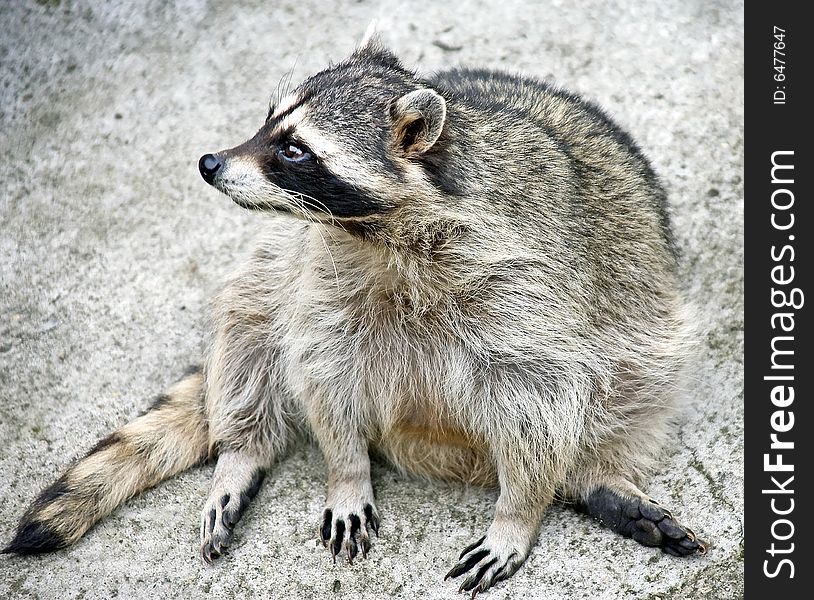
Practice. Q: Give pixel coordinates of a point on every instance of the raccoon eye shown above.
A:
(293, 153)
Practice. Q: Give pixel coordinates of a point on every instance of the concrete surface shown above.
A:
(110, 244)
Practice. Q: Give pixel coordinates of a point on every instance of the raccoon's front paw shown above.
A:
(347, 528)
(494, 557)
(221, 513)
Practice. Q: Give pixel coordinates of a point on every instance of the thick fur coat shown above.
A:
(481, 286)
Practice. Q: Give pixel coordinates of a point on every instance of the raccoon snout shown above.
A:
(209, 165)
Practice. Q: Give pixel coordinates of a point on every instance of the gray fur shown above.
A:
(492, 300)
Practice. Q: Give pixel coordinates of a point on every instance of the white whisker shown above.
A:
(298, 203)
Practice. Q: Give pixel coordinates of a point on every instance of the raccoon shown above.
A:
(472, 276)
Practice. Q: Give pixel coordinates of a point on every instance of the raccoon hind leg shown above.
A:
(632, 421)
(619, 505)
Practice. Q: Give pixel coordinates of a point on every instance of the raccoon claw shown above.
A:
(489, 561)
(209, 552)
(217, 531)
(350, 534)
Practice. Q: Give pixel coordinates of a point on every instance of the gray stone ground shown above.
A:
(110, 244)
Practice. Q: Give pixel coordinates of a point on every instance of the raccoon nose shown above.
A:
(209, 165)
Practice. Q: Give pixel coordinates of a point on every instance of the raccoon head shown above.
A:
(347, 144)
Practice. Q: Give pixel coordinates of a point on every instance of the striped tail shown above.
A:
(169, 438)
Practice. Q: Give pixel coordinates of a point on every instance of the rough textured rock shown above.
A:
(110, 244)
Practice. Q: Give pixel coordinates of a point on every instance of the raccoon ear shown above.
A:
(372, 50)
(371, 36)
(418, 120)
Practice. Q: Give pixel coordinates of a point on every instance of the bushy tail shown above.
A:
(169, 438)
